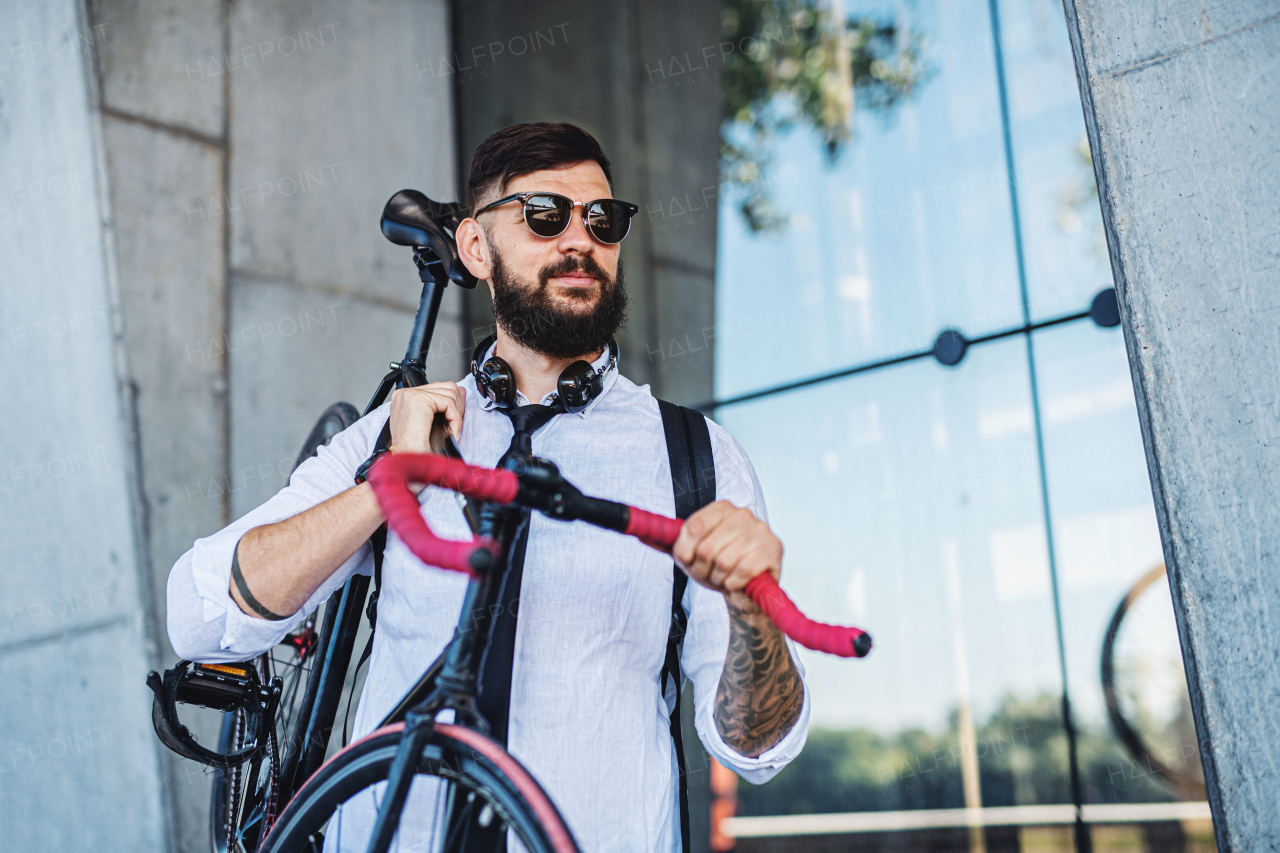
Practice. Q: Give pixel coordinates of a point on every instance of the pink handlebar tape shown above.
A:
(847, 642)
(390, 478)
(660, 532)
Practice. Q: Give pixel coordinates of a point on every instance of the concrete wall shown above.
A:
(622, 71)
(76, 748)
(233, 173)
(1182, 104)
(352, 113)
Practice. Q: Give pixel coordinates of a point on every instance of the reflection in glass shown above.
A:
(910, 497)
(1108, 543)
(1062, 238)
(908, 232)
(1146, 688)
(908, 503)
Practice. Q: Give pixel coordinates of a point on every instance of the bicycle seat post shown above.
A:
(434, 281)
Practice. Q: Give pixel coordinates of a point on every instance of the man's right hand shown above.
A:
(284, 563)
(414, 410)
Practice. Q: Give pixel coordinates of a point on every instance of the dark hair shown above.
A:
(524, 148)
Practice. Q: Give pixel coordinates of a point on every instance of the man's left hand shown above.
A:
(760, 695)
(724, 547)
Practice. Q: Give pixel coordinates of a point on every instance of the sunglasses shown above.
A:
(548, 214)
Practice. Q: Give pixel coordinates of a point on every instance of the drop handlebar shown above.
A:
(538, 485)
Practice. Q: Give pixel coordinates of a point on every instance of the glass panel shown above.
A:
(908, 501)
(907, 233)
(1062, 238)
(1108, 547)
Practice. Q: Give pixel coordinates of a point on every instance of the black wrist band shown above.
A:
(362, 473)
(243, 588)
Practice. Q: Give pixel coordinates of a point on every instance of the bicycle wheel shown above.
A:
(1145, 688)
(335, 419)
(467, 794)
(291, 659)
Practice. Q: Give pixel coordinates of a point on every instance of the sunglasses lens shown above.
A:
(608, 220)
(547, 215)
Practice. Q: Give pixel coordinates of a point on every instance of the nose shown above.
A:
(576, 238)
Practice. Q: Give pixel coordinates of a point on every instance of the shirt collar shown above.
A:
(610, 379)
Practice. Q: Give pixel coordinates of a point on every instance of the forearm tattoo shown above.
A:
(243, 588)
(760, 694)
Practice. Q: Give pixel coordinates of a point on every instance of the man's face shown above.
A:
(561, 296)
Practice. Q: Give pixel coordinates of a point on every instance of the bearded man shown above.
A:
(586, 711)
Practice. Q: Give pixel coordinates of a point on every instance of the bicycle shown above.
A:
(478, 791)
(311, 662)
(500, 794)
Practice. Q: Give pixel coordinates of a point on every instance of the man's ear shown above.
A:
(473, 248)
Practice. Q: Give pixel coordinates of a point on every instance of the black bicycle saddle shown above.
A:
(412, 219)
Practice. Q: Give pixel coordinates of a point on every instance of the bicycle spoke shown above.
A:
(456, 822)
(435, 814)
(445, 794)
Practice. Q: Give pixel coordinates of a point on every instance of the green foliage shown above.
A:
(1022, 759)
(795, 64)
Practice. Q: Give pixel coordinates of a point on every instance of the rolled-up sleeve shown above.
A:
(706, 641)
(204, 623)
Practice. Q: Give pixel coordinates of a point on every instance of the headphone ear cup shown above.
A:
(497, 382)
(578, 385)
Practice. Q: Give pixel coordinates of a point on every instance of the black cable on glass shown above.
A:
(944, 350)
(1084, 842)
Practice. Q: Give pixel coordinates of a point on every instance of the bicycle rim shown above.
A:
(467, 790)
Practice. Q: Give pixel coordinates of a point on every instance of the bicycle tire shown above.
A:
(293, 710)
(334, 420)
(467, 760)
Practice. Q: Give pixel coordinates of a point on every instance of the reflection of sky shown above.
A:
(1103, 518)
(909, 498)
(910, 231)
(907, 501)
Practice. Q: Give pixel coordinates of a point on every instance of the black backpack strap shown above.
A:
(379, 538)
(378, 541)
(693, 480)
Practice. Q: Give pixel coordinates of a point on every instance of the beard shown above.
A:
(581, 323)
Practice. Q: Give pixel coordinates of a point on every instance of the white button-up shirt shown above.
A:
(588, 717)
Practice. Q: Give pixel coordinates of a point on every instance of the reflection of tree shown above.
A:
(1022, 758)
(1078, 200)
(803, 62)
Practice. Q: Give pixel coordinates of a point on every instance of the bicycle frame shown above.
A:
(412, 220)
(451, 681)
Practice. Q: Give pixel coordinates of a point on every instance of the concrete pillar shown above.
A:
(644, 79)
(1182, 103)
(79, 766)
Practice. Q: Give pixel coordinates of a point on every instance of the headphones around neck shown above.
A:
(578, 385)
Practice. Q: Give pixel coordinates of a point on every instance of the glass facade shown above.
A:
(987, 521)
